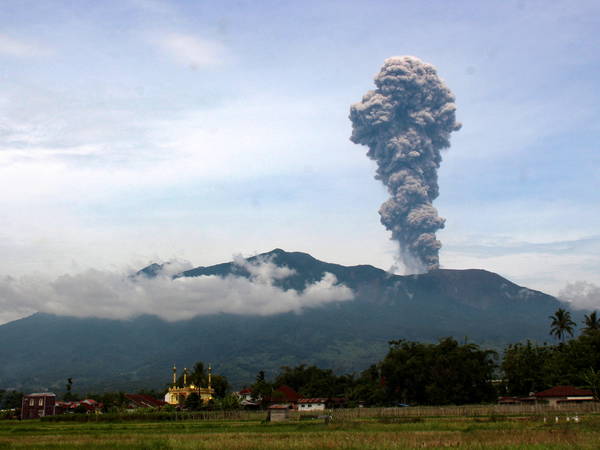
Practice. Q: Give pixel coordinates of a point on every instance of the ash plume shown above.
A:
(406, 122)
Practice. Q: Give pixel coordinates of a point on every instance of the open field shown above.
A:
(375, 432)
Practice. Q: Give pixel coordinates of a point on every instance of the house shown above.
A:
(312, 404)
(246, 400)
(34, 406)
(320, 403)
(82, 406)
(564, 394)
(135, 401)
(284, 395)
(245, 395)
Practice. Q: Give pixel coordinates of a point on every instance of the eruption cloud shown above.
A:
(406, 122)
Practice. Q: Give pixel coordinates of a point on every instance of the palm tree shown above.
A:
(561, 324)
(591, 322)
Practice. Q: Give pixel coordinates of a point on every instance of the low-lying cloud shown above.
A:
(581, 295)
(124, 295)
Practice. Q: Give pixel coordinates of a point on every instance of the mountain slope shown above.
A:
(42, 350)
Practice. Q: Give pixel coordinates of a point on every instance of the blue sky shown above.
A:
(142, 130)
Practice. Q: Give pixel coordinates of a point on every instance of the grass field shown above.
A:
(365, 433)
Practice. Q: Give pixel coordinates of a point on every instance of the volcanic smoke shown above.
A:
(406, 122)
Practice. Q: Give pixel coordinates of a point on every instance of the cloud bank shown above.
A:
(581, 295)
(124, 295)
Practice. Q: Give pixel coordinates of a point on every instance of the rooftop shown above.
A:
(564, 391)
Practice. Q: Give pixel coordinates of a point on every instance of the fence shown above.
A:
(343, 414)
(159, 416)
(464, 411)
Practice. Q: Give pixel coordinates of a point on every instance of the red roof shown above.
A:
(145, 401)
(312, 400)
(565, 391)
(245, 391)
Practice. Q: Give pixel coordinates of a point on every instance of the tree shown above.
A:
(592, 378)
(311, 381)
(199, 377)
(523, 367)
(561, 324)
(192, 402)
(220, 385)
(591, 322)
(262, 390)
(11, 399)
(69, 396)
(229, 402)
(437, 374)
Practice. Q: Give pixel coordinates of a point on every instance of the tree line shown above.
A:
(446, 372)
(449, 372)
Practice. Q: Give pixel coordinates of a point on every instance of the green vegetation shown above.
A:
(561, 324)
(530, 367)
(371, 432)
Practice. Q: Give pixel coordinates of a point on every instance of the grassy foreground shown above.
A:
(372, 433)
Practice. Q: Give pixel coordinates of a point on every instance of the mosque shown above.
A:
(176, 395)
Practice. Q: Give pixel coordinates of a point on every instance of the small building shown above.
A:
(278, 413)
(564, 394)
(34, 406)
(312, 404)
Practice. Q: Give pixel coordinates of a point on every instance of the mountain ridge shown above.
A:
(42, 350)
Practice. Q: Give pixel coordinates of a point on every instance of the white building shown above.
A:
(312, 404)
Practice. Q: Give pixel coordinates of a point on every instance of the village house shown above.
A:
(285, 395)
(34, 406)
(136, 401)
(564, 394)
(246, 400)
(320, 404)
(87, 406)
(312, 404)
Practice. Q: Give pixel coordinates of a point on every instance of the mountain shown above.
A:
(42, 351)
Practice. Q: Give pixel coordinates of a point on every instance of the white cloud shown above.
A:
(122, 295)
(191, 50)
(21, 49)
(581, 295)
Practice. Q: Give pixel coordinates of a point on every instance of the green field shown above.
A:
(370, 433)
